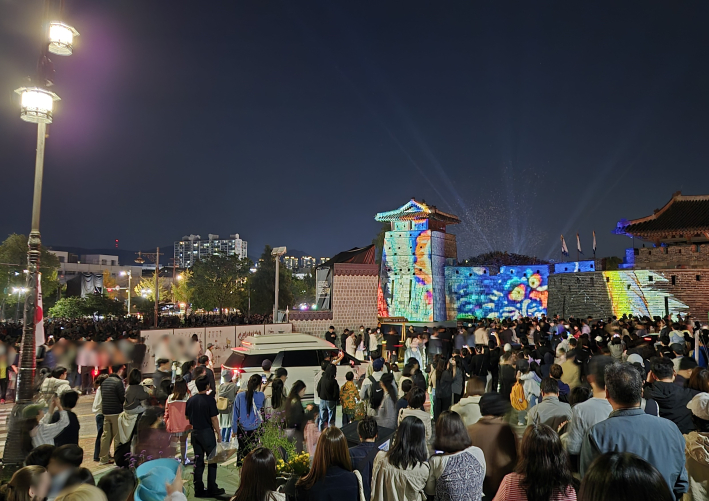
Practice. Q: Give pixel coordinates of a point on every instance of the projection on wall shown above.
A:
(641, 292)
(516, 291)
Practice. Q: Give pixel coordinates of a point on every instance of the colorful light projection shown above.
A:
(406, 281)
(641, 292)
(516, 291)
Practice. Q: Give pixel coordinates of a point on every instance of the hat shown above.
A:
(266, 365)
(148, 381)
(634, 358)
(209, 345)
(599, 339)
(152, 477)
(494, 404)
(378, 364)
(32, 411)
(507, 347)
(677, 348)
(699, 405)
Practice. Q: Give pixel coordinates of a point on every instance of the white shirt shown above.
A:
(45, 432)
(96, 406)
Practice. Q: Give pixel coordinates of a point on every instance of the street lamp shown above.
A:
(129, 273)
(36, 106)
(61, 38)
(277, 252)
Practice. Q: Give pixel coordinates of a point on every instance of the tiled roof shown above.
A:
(682, 215)
(414, 209)
(356, 255)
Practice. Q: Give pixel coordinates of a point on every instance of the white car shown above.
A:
(301, 354)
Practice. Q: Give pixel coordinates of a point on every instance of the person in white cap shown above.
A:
(697, 448)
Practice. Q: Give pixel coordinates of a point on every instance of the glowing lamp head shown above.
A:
(36, 104)
(61, 38)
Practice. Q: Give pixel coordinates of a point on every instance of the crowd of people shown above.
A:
(529, 409)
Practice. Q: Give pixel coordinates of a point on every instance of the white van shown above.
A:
(301, 354)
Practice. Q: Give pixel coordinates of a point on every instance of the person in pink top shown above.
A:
(175, 420)
(543, 471)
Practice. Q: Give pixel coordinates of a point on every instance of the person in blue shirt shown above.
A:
(247, 414)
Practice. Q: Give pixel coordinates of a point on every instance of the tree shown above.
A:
(219, 282)
(13, 253)
(182, 288)
(303, 289)
(146, 287)
(68, 307)
(378, 241)
(79, 307)
(263, 287)
(109, 283)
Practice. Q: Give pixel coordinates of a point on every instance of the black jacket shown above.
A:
(113, 394)
(672, 402)
(419, 380)
(328, 389)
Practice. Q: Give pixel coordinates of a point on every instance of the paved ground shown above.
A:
(227, 475)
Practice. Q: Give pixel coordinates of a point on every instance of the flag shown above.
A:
(39, 316)
(594, 241)
(564, 249)
(578, 244)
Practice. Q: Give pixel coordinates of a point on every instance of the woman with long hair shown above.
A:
(176, 422)
(295, 415)
(457, 468)
(543, 471)
(330, 474)
(247, 413)
(617, 476)
(401, 473)
(278, 400)
(258, 478)
(386, 413)
(27, 484)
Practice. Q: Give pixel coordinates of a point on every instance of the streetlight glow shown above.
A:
(61, 38)
(36, 104)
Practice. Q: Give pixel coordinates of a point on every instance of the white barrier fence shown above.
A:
(223, 339)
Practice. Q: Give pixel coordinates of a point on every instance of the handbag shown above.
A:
(222, 403)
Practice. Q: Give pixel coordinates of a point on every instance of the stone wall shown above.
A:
(640, 292)
(693, 256)
(354, 302)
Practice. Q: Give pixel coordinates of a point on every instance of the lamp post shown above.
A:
(277, 252)
(130, 276)
(36, 106)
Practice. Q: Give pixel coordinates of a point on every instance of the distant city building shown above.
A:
(70, 265)
(192, 248)
(323, 260)
(307, 262)
(291, 262)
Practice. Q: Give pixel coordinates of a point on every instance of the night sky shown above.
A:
(294, 122)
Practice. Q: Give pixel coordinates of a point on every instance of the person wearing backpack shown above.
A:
(370, 385)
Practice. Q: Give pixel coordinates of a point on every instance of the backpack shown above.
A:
(517, 399)
(376, 393)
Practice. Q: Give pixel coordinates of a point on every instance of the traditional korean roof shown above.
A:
(356, 255)
(413, 210)
(683, 219)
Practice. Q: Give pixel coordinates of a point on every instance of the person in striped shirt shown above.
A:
(41, 429)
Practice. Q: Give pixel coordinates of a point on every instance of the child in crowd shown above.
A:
(311, 432)
(70, 434)
(176, 422)
(349, 395)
